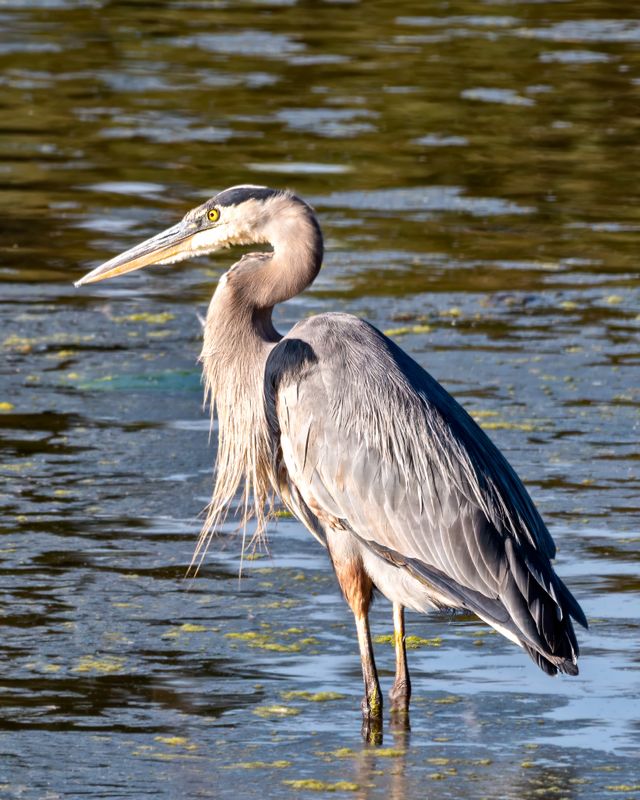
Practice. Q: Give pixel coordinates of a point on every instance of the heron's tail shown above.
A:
(535, 610)
(553, 667)
(540, 609)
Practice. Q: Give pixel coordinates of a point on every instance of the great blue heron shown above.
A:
(372, 455)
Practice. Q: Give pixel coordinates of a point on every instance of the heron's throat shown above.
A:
(233, 362)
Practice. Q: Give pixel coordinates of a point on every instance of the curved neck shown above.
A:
(244, 299)
(297, 255)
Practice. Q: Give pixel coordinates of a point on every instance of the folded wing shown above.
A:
(373, 444)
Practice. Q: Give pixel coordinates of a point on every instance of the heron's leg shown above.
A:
(372, 702)
(357, 588)
(401, 690)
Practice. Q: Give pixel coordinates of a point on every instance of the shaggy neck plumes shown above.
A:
(238, 337)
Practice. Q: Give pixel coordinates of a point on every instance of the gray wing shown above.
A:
(373, 441)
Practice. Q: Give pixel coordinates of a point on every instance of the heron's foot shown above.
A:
(400, 695)
(372, 716)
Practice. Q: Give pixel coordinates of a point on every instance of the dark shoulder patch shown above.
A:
(288, 359)
(240, 194)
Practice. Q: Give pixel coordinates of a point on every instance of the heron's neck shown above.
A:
(296, 259)
(238, 337)
(239, 319)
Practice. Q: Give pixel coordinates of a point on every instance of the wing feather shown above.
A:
(372, 440)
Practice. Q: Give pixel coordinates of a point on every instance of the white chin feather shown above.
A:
(199, 244)
(207, 241)
(178, 257)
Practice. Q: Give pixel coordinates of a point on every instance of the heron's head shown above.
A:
(239, 215)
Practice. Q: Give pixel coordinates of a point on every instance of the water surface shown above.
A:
(475, 170)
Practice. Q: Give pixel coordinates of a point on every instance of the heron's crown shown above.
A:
(236, 195)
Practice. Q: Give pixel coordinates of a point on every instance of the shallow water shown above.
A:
(475, 170)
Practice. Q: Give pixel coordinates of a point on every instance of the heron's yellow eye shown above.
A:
(213, 214)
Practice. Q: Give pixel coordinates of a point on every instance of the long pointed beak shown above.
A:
(173, 244)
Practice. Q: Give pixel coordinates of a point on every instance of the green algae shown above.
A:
(25, 344)
(341, 752)
(389, 752)
(314, 785)
(503, 425)
(449, 699)
(288, 603)
(265, 641)
(103, 666)
(312, 697)
(152, 319)
(176, 741)
(415, 642)
(483, 414)
(411, 642)
(276, 711)
(174, 756)
(406, 329)
(187, 627)
(282, 764)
